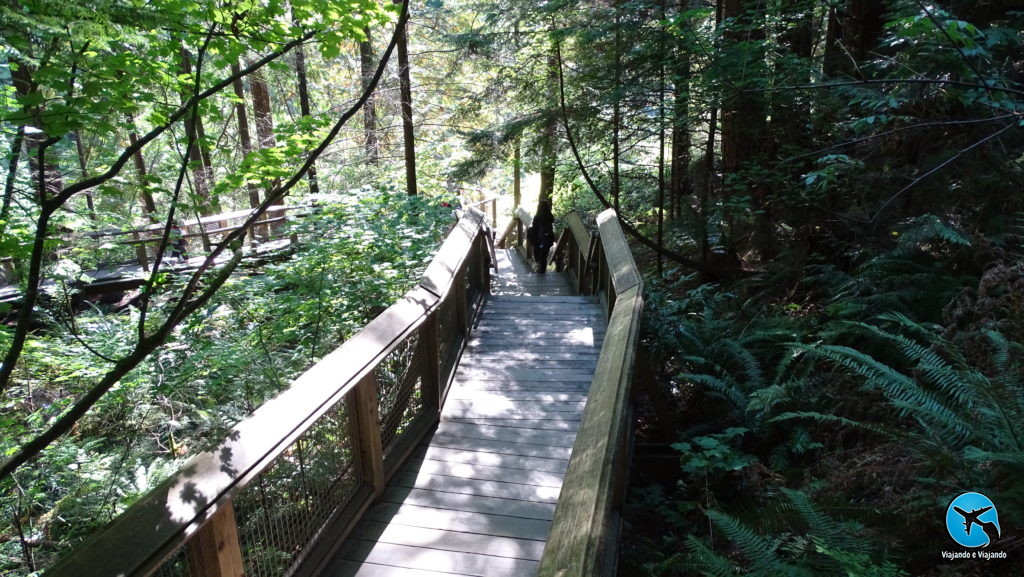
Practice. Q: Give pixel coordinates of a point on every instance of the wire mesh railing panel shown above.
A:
(331, 477)
(470, 278)
(449, 335)
(281, 511)
(181, 564)
(400, 390)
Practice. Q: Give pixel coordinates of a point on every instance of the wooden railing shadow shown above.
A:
(290, 481)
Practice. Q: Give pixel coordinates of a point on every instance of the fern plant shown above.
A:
(918, 254)
(812, 543)
(727, 355)
(959, 415)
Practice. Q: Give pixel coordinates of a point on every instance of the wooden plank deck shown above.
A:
(477, 498)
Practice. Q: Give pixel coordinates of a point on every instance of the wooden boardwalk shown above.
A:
(477, 498)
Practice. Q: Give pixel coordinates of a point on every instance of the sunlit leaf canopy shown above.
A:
(104, 66)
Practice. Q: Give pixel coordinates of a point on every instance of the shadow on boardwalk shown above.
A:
(477, 498)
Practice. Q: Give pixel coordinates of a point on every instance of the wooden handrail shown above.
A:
(192, 518)
(489, 206)
(141, 242)
(522, 219)
(185, 224)
(585, 529)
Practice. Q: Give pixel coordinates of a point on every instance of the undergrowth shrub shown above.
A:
(796, 410)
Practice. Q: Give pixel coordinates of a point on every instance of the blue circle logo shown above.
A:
(972, 520)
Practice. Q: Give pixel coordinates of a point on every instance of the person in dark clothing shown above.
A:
(544, 234)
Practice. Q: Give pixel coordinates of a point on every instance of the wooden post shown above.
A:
(140, 251)
(519, 231)
(480, 256)
(215, 551)
(461, 319)
(576, 262)
(203, 237)
(367, 432)
(494, 212)
(433, 381)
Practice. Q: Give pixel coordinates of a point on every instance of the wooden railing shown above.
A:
(208, 230)
(289, 482)
(488, 206)
(574, 252)
(198, 236)
(585, 530)
(514, 234)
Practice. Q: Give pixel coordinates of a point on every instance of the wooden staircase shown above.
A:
(478, 497)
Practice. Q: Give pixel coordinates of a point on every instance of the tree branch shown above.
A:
(960, 83)
(875, 220)
(898, 130)
(49, 207)
(185, 306)
(190, 141)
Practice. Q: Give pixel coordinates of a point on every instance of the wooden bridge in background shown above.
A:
(272, 233)
(478, 426)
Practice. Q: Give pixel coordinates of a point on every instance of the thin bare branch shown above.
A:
(875, 220)
(626, 225)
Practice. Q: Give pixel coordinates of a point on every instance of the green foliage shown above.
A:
(252, 339)
(801, 384)
(714, 452)
(728, 357)
(956, 411)
(923, 250)
(815, 544)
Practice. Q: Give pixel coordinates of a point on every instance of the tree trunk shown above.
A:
(745, 131)
(198, 154)
(617, 108)
(148, 204)
(300, 69)
(371, 143)
(854, 29)
(661, 158)
(709, 182)
(679, 178)
(548, 154)
(517, 166)
(83, 167)
(264, 116)
(244, 134)
(405, 88)
(262, 111)
(791, 111)
(704, 202)
(304, 108)
(46, 177)
(12, 170)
